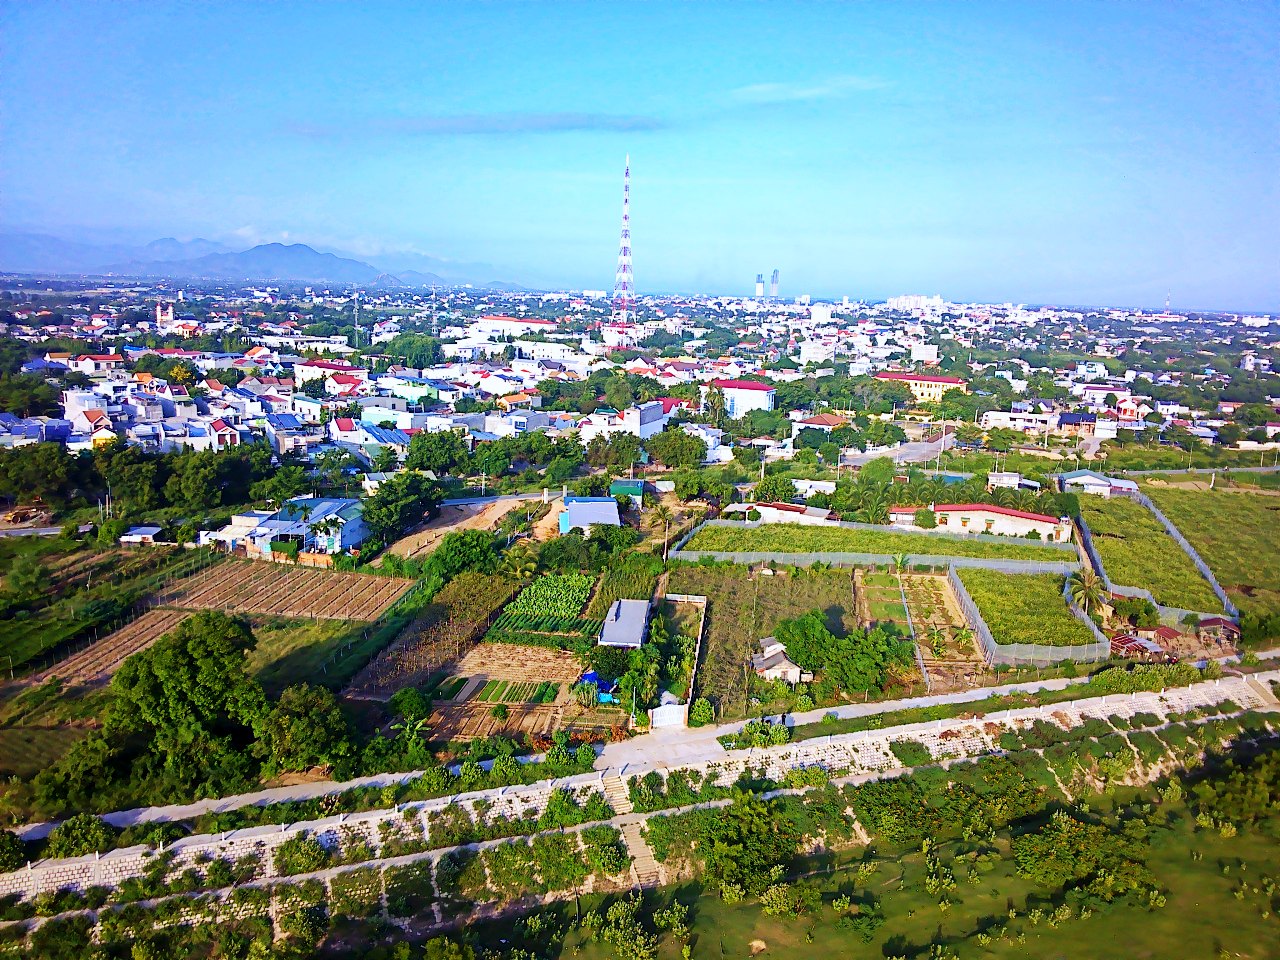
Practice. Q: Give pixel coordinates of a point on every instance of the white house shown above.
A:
(1086, 481)
(742, 396)
(793, 513)
(772, 663)
(987, 518)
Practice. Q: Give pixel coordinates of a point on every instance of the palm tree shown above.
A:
(520, 562)
(662, 514)
(1085, 590)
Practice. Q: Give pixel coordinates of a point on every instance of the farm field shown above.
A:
(452, 519)
(534, 683)
(797, 538)
(448, 626)
(946, 644)
(82, 594)
(1235, 534)
(743, 607)
(1024, 608)
(560, 595)
(1137, 552)
(98, 661)
(286, 590)
(290, 651)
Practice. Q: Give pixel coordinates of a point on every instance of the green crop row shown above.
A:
(560, 596)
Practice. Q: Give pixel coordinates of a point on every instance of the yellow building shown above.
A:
(925, 388)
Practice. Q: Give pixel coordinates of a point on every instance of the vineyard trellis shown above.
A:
(455, 619)
(288, 591)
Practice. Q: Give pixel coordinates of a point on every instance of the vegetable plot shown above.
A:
(1024, 608)
(561, 596)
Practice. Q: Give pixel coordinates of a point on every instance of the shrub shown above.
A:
(300, 854)
(84, 833)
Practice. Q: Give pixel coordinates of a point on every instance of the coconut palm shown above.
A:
(662, 514)
(1085, 589)
(519, 562)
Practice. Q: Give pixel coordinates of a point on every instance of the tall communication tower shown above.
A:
(773, 284)
(624, 295)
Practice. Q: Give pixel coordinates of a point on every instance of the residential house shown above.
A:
(772, 663)
(742, 396)
(581, 513)
(925, 388)
(625, 624)
(987, 518)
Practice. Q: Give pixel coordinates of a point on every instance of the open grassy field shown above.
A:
(796, 538)
(1236, 535)
(25, 751)
(1026, 608)
(741, 609)
(292, 651)
(1198, 870)
(1137, 552)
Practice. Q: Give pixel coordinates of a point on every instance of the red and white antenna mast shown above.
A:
(624, 295)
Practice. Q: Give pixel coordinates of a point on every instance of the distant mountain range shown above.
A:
(207, 259)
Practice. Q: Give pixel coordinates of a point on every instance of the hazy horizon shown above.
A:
(1072, 154)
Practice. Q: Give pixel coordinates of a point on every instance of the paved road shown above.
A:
(40, 531)
(469, 501)
(915, 452)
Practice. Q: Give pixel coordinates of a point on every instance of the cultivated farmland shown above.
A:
(797, 538)
(1137, 552)
(100, 660)
(457, 616)
(1025, 608)
(1236, 535)
(558, 596)
(743, 607)
(287, 591)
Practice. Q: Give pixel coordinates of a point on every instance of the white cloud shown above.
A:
(792, 91)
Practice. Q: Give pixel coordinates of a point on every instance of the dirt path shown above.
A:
(549, 526)
(472, 516)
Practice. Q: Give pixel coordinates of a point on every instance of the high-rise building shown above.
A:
(623, 285)
(773, 284)
(759, 284)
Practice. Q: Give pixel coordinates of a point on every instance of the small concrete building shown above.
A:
(626, 624)
(772, 663)
(580, 513)
(987, 518)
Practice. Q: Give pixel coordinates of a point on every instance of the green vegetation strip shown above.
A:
(795, 538)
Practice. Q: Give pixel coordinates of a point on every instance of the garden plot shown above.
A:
(1235, 534)
(744, 606)
(533, 683)
(100, 660)
(882, 601)
(946, 643)
(287, 591)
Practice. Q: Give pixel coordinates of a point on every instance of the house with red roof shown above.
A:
(986, 518)
(742, 396)
(925, 388)
(826, 422)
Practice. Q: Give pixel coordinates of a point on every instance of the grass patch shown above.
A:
(25, 751)
(1235, 534)
(292, 651)
(1138, 552)
(796, 538)
(1024, 608)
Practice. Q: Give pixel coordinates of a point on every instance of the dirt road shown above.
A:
(471, 516)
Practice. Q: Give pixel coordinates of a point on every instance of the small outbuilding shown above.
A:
(626, 624)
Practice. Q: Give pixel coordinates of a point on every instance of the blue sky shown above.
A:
(1062, 153)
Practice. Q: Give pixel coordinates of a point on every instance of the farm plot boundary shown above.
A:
(287, 591)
